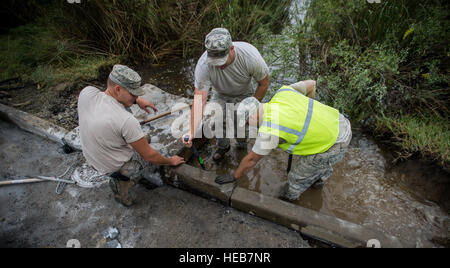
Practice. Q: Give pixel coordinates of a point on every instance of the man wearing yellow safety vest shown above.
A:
(318, 134)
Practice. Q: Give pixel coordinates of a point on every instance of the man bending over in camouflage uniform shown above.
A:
(112, 140)
(318, 134)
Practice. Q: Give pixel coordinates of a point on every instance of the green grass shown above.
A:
(82, 69)
(428, 135)
(10, 58)
(154, 30)
(38, 56)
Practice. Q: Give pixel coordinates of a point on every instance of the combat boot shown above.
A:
(121, 190)
(285, 194)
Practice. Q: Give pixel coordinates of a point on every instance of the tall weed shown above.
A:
(157, 29)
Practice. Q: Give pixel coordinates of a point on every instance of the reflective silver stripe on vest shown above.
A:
(288, 89)
(281, 128)
(305, 126)
(301, 135)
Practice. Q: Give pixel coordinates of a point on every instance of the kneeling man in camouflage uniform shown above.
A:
(112, 140)
(316, 133)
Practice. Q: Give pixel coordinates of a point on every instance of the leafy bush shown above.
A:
(387, 60)
(358, 80)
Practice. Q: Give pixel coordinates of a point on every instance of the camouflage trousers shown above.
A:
(313, 170)
(222, 100)
(135, 169)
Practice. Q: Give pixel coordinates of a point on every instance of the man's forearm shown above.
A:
(261, 90)
(148, 153)
(137, 101)
(247, 164)
(157, 158)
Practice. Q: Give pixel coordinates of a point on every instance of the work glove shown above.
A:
(227, 178)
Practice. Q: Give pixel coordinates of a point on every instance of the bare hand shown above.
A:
(176, 160)
(143, 104)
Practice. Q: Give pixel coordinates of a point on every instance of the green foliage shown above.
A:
(86, 69)
(427, 134)
(398, 45)
(158, 29)
(358, 82)
(18, 12)
(387, 59)
(35, 53)
(281, 54)
(69, 36)
(245, 18)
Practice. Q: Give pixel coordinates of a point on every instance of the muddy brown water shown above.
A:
(410, 200)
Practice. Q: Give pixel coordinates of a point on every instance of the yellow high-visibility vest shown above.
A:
(308, 126)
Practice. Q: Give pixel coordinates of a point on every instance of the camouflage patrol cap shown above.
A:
(127, 78)
(218, 43)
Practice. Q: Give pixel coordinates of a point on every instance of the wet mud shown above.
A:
(410, 200)
(33, 215)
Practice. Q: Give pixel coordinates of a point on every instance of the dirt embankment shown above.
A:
(57, 104)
